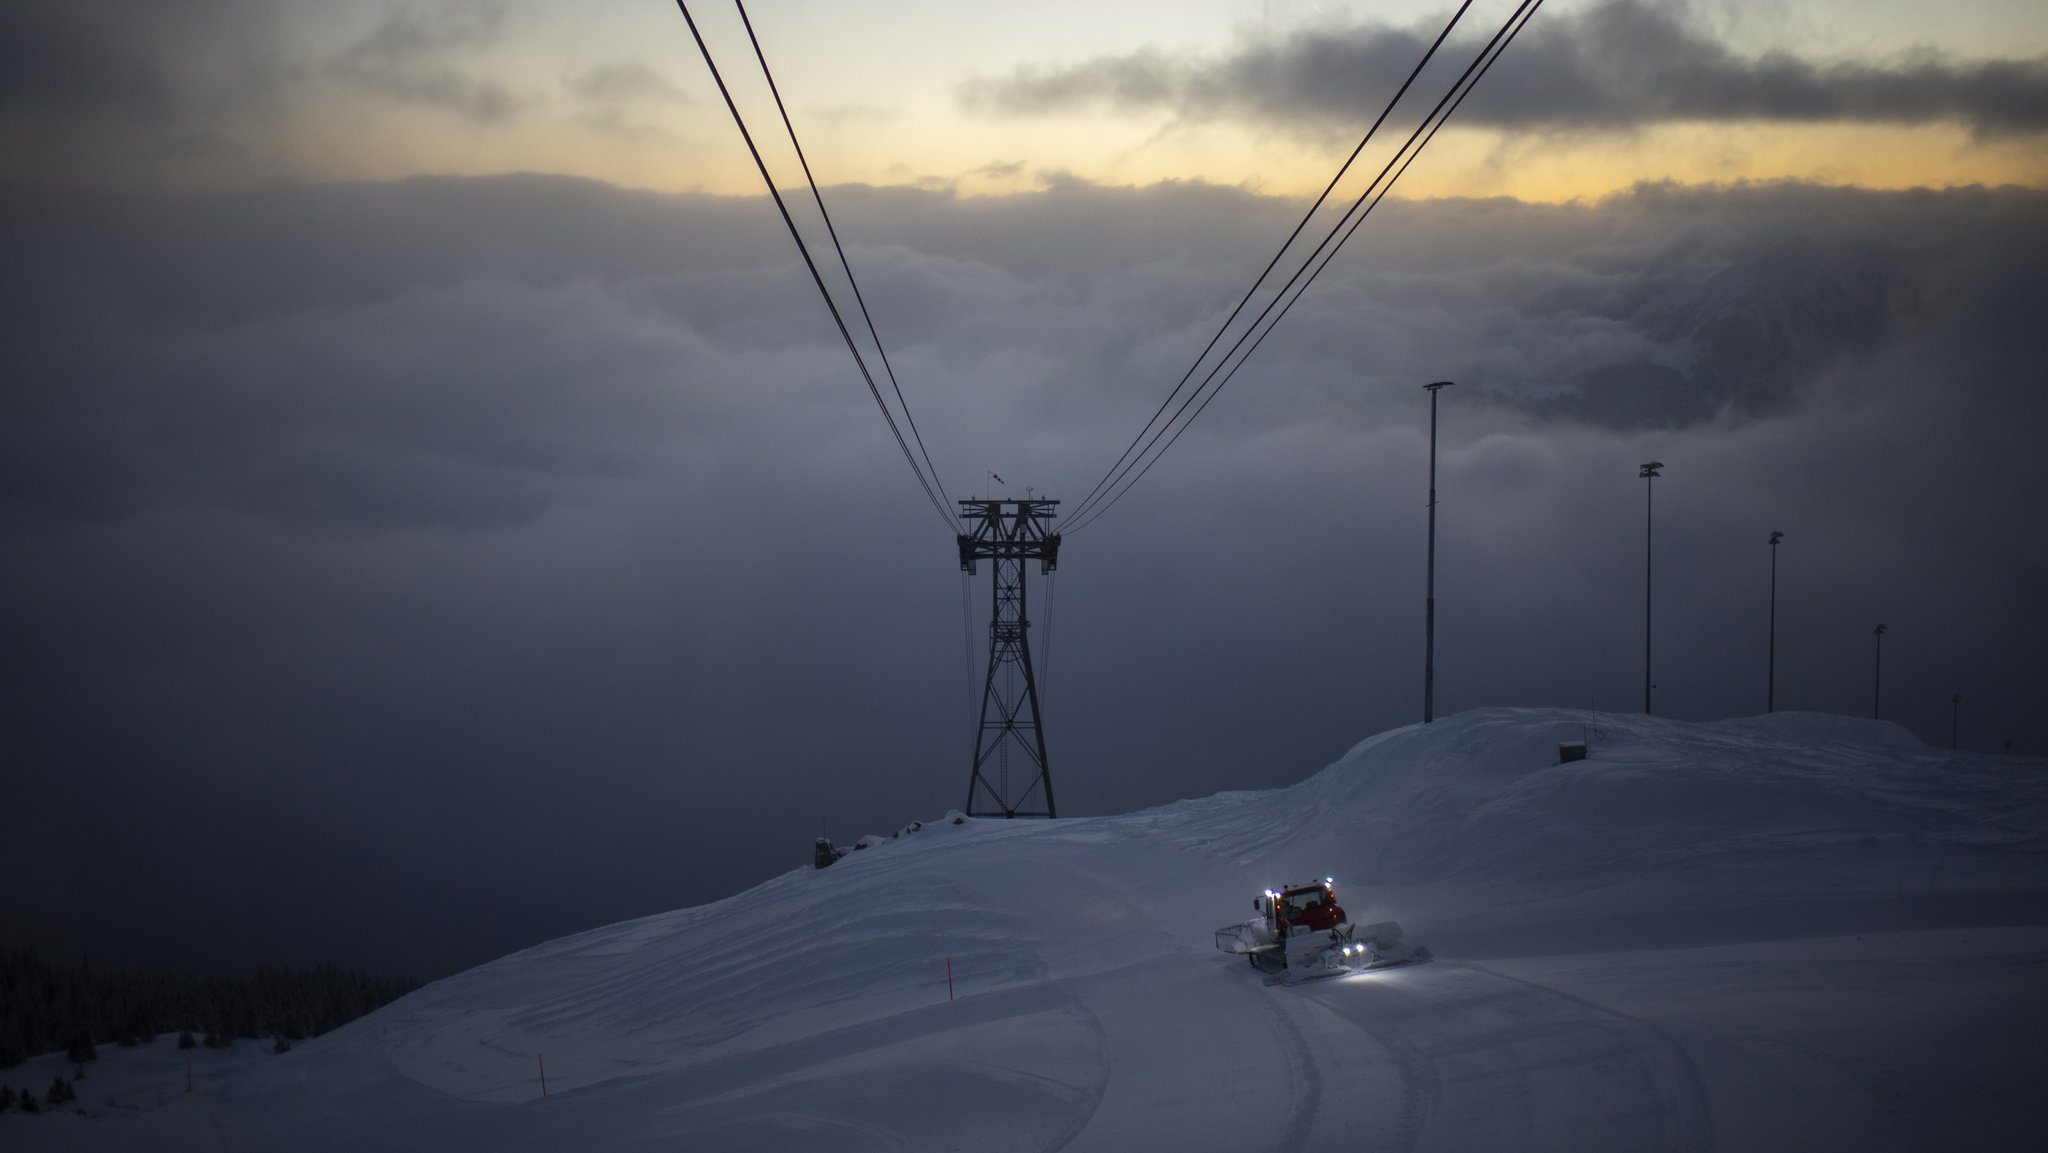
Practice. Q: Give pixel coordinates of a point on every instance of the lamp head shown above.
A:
(1650, 469)
(1776, 537)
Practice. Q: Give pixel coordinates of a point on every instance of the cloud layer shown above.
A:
(1618, 65)
(232, 93)
(528, 547)
(406, 57)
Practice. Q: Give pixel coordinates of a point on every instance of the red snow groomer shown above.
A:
(1301, 932)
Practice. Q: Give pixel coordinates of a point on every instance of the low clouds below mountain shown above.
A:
(530, 547)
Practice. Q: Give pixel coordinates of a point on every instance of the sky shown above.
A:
(439, 514)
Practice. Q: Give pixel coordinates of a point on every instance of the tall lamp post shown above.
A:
(1955, 717)
(1771, 677)
(1429, 595)
(1649, 474)
(1877, 675)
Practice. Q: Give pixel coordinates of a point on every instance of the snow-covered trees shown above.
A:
(45, 1006)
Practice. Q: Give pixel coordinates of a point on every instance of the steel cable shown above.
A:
(1093, 493)
(1319, 257)
(833, 232)
(803, 249)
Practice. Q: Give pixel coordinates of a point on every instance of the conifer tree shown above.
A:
(13, 1051)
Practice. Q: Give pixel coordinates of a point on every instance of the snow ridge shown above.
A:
(1664, 945)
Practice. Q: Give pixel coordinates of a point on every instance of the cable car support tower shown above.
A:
(1010, 533)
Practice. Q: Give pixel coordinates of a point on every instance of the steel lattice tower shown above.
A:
(1009, 532)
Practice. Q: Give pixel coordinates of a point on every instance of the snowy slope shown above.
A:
(1781, 932)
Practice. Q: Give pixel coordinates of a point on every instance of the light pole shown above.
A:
(1877, 675)
(1955, 714)
(1649, 474)
(1771, 678)
(1429, 594)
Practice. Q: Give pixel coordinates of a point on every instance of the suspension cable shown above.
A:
(1045, 679)
(1323, 252)
(833, 232)
(845, 334)
(1094, 493)
(967, 635)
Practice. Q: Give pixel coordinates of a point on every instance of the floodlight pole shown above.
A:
(1955, 714)
(1771, 678)
(1429, 594)
(1649, 474)
(1877, 675)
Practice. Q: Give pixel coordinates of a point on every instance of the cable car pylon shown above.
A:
(1010, 533)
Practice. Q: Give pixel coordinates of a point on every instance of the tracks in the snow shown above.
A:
(1488, 1060)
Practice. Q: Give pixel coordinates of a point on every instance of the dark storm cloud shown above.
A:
(127, 93)
(418, 571)
(406, 57)
(112, 89)
(1618, 65)
(67, 56)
